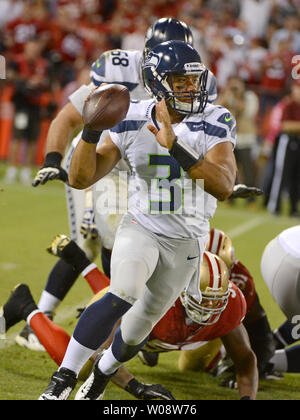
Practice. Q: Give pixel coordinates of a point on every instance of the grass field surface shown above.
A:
(30, 218)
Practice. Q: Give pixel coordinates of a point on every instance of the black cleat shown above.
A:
(148, 358)
(19, 305)
(58, 245)
(94, 387)
(68, 250)
(61, 385)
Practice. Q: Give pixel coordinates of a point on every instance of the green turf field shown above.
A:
(30, 218)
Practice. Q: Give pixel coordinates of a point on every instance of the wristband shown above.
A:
(90, 136)
(246, 398)
(184, 154)
(53, 159)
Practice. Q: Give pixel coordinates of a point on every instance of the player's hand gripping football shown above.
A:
(165, 136)
(50, 170)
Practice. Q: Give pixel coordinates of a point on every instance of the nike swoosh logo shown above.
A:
(192, 258)
(227, 119)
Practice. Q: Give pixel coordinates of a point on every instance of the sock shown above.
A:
(52, 337)
(61, 279)
(48, 303)
(108, 364)
(95, 278)
(98, 320)
(76, 356)
(122, 351)
(118, 353)
(283, 335)
(279, 360)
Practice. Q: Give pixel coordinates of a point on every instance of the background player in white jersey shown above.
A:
(280, 267)
(114, 66)
(155, 255)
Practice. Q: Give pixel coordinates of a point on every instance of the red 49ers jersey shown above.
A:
(241, 277)
(176, 332)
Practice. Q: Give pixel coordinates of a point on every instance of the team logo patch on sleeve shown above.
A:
(227, 119)
(99, 66)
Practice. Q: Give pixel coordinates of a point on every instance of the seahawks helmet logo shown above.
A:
(152, 60)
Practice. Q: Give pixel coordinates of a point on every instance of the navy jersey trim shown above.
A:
(209, 129)
(128, 125)
(99, 66)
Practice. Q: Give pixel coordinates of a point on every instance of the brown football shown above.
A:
(106, 107)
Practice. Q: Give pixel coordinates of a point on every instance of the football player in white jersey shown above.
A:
(280, 267)
(114, 66)
(178, 139)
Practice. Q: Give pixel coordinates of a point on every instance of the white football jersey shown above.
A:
(162, 196)
(289, 239)
(122, 67)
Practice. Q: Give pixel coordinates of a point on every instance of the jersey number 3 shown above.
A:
(164, 185)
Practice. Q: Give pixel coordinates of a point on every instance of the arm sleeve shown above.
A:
(223, 131)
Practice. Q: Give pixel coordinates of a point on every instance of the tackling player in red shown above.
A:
(256, 321)
(187, 325)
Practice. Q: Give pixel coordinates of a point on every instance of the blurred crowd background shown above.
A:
(252, 46)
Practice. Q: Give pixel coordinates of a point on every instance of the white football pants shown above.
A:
(150, 271)
(281, 273)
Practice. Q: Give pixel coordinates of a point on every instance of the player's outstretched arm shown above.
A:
(238, 347)
(60, 131)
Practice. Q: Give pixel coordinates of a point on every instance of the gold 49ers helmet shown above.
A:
(220, 244)
(214, 286)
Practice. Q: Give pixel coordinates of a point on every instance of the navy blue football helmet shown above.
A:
(167, 29)
(171, 59)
